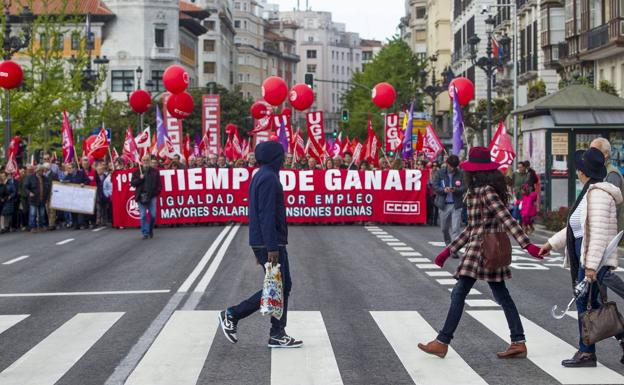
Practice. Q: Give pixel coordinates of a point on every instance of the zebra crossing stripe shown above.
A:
(404, 330)
(314, 363)
(178, 353)
(7, 321)
(49, 360)
(547, 351)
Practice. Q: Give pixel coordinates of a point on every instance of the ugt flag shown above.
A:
(501, 149)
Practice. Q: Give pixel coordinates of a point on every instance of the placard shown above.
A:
(73, 198)
(559, 143)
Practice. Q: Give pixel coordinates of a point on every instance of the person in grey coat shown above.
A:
(449, 187)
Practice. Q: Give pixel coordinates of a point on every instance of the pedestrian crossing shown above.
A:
(183, 346)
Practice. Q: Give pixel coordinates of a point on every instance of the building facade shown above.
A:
(413, 26)
(249, 40)
(370, 49)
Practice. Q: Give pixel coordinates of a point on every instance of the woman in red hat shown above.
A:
(487, 201)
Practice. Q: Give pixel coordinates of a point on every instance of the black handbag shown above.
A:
(602, 323)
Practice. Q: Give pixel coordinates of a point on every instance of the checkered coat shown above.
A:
(486, 213)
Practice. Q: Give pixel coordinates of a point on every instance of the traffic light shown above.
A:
(345, 115)
(309, 80)
(335, 134)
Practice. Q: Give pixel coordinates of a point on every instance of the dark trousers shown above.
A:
(252, 304)
(501, 295)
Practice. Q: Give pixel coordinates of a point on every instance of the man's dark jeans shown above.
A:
(252, 304)
(501, 295)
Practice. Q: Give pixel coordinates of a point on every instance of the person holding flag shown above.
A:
(146, 181)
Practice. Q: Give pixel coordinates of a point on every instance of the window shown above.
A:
(237, 5)
(421, 12)
(159, 37)
(310, 38)
(311, 54)
(367, 55)
(122, 81)
(59, 42)
(209, 25)
(209, 45)
(209, 67)
(43, 41)
(342, 55)
(157, 80)
(236, 23)
(75, 41)
(245, 25)
(240, 78)
(311, 68)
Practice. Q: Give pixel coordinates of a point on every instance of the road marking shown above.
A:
(49, 360)
(214, 265)
(447, 281)
(553, 264)
(386, 237)
(396, 243)
(481, 303)
(179, 352)
(411, 254)
(573, 314)
(428, 266)
(77, 293)
(472, 291)
(315, 362)
(12, 261)
(65, 241)
(403, 330)
(438, 273)
(418, 260)
(7, 321)
(202, 262)
(438, 244)
(403, 248)
(547, 351)
(379, 233)
(98, 229)
(372, 228)
(390, 239)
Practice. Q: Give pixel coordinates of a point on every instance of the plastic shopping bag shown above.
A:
(271, 302)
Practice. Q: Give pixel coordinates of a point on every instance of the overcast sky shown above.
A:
(373, 19)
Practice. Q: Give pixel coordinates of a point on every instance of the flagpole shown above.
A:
(76, 157)
(110, 155)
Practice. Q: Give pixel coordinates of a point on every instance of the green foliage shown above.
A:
(556, 220)
(608, 87)
(537, 90)
(395, 64)
(475, 119)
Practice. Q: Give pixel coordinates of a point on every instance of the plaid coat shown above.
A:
(486, 213)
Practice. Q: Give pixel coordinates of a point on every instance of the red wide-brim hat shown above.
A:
(479, 159)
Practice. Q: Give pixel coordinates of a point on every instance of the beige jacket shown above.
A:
(600, 228)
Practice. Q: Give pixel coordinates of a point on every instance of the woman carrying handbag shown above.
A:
(488, 251)
(591, 225)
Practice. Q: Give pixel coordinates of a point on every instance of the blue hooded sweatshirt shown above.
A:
(267, 213)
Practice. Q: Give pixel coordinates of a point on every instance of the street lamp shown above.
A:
(489, 64)
(11, 45)
(434, 89)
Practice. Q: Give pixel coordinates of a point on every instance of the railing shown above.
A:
(615, 29)
(598, 37)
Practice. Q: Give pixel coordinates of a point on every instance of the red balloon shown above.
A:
(274, 90)
(465, 90)
(259, 110)
(384, 95)
(11, 75)
(97, 154)
(286, 111)
(180, 106)
(140, 101)
(301, 96)
(175, 79)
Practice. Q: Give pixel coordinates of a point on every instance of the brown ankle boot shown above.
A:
(434, 347)
(515, 350)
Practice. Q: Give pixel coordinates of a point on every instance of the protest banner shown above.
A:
(73, 198)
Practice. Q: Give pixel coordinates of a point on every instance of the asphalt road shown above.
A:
(105, 307)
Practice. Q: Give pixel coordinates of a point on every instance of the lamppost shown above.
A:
(489, 64)
(11, 45)
(434, 89)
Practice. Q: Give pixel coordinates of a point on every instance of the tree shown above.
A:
(475, 120)
(536, 90)
(395, 64)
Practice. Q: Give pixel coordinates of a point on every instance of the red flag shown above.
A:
(419, 141)
(143, 141)
(186, 149)
(11, 165)
(371, 151)
(114, 155)
(167, 150)
(67, 140)
(501, 149)
(432, 145)
(315, 149)
(100, 142)
(130, 149)
(298, 146)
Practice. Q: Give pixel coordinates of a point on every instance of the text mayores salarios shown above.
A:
(197, 179)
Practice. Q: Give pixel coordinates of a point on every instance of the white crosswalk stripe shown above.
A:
(404, 330)
(49, 360)
(7, 321)
(547, 350)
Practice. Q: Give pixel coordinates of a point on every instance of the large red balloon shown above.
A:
(97, 154)
(465, 90)
(274, 90)
(175, 79)
(140, 101)
(180, 106)
(259, 110)
(384, 95)
(301, 96)
(11, 75)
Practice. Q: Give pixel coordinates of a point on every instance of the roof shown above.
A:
(190, 17)
(81, 7)
(574, 97)
(194, 10)
(370, 43)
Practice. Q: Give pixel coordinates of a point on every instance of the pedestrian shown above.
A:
(251, 161)
(329, 164)
(146, 180)
(38, 189)
(487, 212)
(312, 164)
(349, 163)
(268, 237)
(528, 208)
(51, 213)
(591, 226)
(103, 203)
(79, 177)
(614, 176)
(338, 162)
(8, 192)
(364, 166)
(449, 186)
(519, 178)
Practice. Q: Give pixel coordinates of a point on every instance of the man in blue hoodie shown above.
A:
(268, 237)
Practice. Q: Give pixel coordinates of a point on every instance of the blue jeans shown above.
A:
(36, 215)
(501, 295)
(252, 304)
(147, 226)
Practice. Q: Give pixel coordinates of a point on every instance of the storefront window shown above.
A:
(617, 149)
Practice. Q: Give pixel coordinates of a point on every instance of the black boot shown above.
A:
(581, 360)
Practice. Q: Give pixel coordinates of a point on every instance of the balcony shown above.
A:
(598, 37)
(527, 64)
(163, 53)
(603, 41)
(553, 54)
